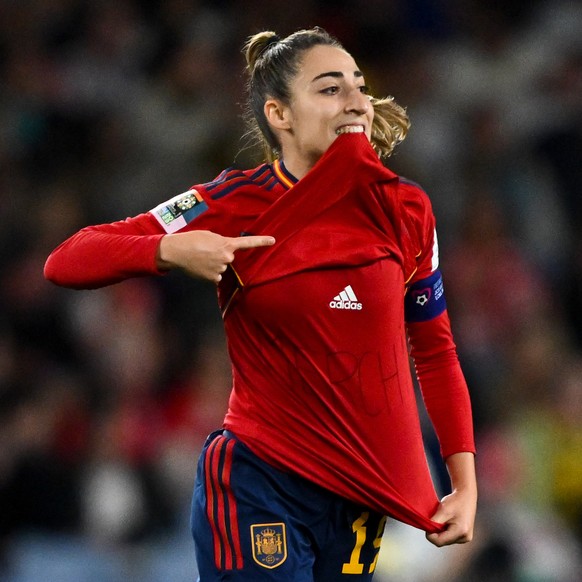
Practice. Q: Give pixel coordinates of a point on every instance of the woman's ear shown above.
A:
(277, 114)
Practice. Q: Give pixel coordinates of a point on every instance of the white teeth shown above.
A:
(350, 129)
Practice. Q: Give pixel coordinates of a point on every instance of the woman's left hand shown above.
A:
(457, 510)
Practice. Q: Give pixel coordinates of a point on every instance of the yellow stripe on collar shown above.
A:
(281, 175)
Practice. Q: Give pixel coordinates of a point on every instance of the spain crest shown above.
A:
(269, 544)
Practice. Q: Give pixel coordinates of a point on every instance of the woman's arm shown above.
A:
(457, 510)
(446, 397)
(442, 383)
(109, 253)
(105, 254)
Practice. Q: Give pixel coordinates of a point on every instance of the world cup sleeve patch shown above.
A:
(269, 541)
(177, 212)
(425, 299)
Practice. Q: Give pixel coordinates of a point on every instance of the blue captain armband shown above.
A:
(425, 299)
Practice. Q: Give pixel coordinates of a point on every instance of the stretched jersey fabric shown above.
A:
(316, 324)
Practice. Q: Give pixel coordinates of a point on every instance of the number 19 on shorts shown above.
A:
(355, 565)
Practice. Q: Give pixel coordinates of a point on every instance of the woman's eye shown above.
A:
(365, 89)
(330, 90)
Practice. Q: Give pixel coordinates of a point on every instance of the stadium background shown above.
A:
(109, 107)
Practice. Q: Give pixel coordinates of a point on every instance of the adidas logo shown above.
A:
(346, 300)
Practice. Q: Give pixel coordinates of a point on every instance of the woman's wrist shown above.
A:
(162, 261)
(461, 468)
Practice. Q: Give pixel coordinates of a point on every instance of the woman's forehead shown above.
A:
(322, 59)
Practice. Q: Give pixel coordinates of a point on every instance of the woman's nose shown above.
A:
(358, 102)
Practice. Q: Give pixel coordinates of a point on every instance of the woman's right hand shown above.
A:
(203, 254)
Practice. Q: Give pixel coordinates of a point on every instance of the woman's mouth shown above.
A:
(350, 129)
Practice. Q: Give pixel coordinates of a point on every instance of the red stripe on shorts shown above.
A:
(220, 503)
(210, 453)
(232, 511)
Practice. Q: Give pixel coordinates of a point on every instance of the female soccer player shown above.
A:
(321, 440)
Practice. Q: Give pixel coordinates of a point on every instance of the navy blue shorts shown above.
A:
(251, 521)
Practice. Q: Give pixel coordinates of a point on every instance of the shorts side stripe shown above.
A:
(232, 511)
(210, 493)
(221, 507)
(225, 559)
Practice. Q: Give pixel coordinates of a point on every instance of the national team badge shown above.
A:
(269, 544)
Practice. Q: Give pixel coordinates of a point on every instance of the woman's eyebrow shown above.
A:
(335, 75)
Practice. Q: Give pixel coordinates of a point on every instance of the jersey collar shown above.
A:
(284, 176)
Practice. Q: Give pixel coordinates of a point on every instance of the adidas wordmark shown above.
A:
(346, 300)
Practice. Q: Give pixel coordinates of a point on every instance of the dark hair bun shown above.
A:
(257, 45)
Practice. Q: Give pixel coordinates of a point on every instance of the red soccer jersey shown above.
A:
(315, 324)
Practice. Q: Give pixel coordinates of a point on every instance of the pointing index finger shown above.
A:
(251, 242)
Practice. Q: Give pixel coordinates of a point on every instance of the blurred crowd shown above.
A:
(109, 107)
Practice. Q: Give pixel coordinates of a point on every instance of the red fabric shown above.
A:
(105, 254)
(348, 186)
(321, 391)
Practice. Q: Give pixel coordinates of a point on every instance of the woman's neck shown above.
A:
(298, 166)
